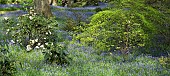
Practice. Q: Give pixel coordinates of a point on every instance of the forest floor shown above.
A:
(84, 61)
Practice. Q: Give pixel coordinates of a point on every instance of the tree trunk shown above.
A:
(42, 7)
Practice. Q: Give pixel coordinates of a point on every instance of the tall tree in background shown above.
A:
(42, 7)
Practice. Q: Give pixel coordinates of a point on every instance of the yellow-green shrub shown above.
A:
(165, 61)
(119, 30)
(158, 19)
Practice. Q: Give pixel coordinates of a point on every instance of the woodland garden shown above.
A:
(84, 38)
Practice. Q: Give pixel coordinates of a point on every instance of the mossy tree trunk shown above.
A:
(42, 7)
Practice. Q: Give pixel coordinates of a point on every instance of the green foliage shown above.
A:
(118, 30)
(31, 30)
(74, 25)
(155, 22)
(7, 67)
(27, 5)
(92, 2)
(98, 9)
(165, 61)
(14, 1)
(9, 9)
(81, 3)
(70, 25)
(162, 2)
(78, 4)
(151, 14)
(105, 0)
(3, 1)
(57, 54)
(34, 31)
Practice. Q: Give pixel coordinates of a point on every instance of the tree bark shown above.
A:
(42, 7)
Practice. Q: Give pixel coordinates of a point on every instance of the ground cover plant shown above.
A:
(130, 38)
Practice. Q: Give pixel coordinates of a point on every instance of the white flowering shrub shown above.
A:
(34, 31)
(31, 30)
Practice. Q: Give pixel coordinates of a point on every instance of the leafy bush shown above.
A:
(74, 25)
(57, 54)
(7, 67)
(165, 61)
(116, 30)
(33, 31)
(155, 18)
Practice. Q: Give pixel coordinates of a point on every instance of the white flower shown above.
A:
(52, 44)
(36, 40)
(49, 32)
(12, 41)
(24, 15)
(37, 47)
(30, 17)
(6, 18)
(39, 44)
(31, 7)
(6, 33)
(42, 46)
(17, 24)
(7, 30)
(46, 43)
(111, 53)
(45, 38)
(31, 12)
(46, 33)
(29, 48)
(128, 21)
(32, 41)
